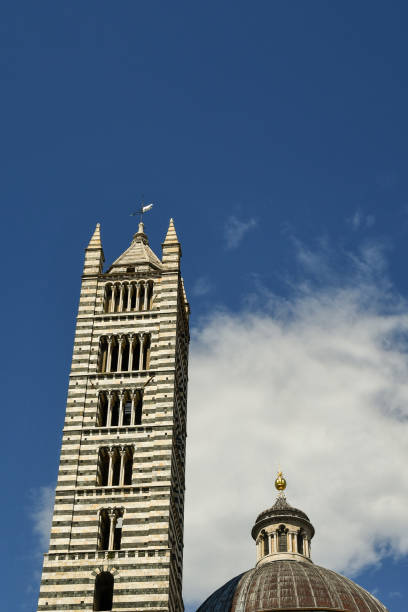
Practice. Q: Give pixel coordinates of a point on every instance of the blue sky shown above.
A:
(276, 135)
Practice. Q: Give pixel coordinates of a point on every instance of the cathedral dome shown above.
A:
(291, 585)
(284, 577)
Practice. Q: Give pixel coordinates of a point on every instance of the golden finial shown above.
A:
(280, 482)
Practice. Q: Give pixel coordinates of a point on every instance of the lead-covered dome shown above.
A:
(284, 577)
(291, 585)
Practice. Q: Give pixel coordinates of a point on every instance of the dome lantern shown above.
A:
(282, 532)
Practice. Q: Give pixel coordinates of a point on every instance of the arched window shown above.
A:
(125, 297)
(108, 298)
(117, 298)
(127, 409)
(300, 542)
(282, 539)
(115, 468)
(125, 354)
(128, 468)
(133, 296)
(103, 354)
(265, 539)
(146, 353)
(117, 534)
(104, 530)
(102, 410)
(114, 355)
(110, 529)
(103, 595)
(136, 354)
(138, 400)
(149, 289)
(103, 467)
(141, 296)
(114, 410)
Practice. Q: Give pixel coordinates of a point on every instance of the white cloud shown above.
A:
(41, 513)
(235, 231)
(317, 384)
(202, 286)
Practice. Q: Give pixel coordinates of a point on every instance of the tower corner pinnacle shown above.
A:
(94, 257)
(171, 236)
(171, 248)
(95, 241)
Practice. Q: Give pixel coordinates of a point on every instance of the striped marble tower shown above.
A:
(117, 531)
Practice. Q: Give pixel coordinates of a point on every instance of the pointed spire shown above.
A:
(171, 249)
(94, 257)
(95, 241)
(171, 235)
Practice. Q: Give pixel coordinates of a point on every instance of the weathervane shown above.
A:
(144, 208)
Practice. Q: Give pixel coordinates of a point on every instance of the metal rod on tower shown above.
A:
(144, 208)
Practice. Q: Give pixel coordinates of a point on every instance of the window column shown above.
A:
(104, 348)
(133, 414)
(290, 546)
(137, 296)
(111, 453)
(122, 395)
(112, 517)
(123, 453)
(120, 353)
(130, 363)
(109, 360)
(109, 415)
(146, 295)
(112, 303)
(122, 288)
(259, 549)
(129, 300)
(142, 343)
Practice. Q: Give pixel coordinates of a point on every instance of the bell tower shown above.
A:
(117, 532)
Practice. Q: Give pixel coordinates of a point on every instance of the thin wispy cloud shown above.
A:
(201, 287)
(41, 514)
(329, 266)
(359, 220)
(316, 383)
(235, 230)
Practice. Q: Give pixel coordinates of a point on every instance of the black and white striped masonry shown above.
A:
(117, 532)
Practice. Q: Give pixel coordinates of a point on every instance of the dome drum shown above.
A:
(282, 532)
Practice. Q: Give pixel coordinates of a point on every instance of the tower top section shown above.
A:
(139, 256)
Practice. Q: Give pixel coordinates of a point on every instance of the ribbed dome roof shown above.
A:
(291, 585)
(280, 510)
